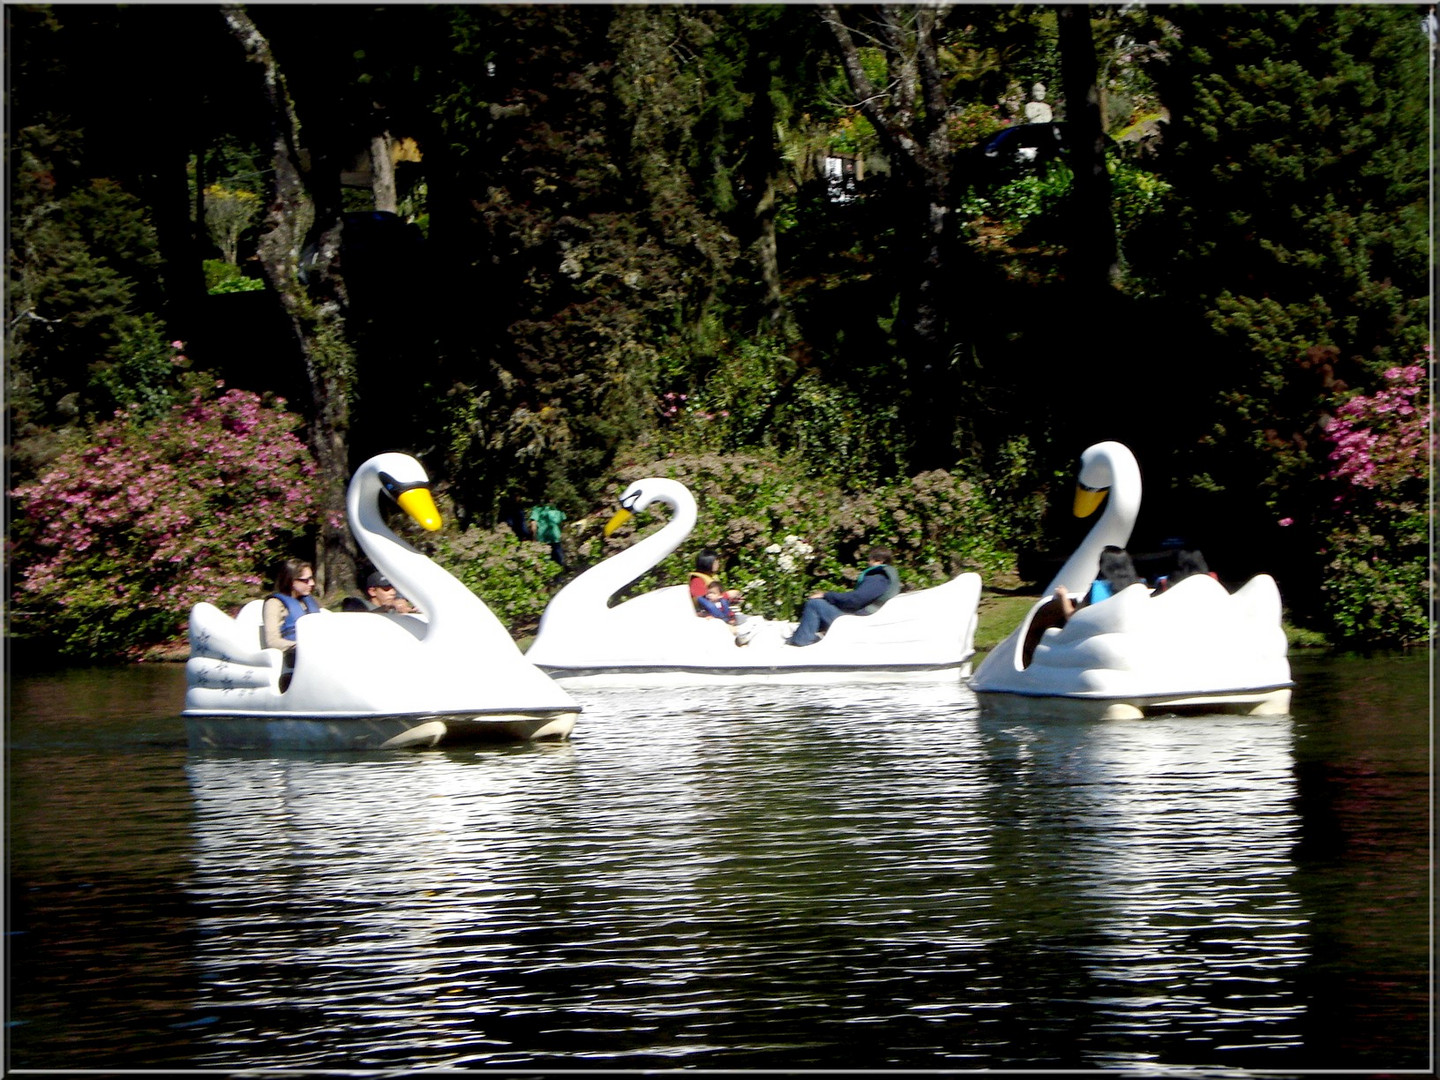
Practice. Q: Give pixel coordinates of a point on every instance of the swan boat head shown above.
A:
(574, 613)
(1109, 475)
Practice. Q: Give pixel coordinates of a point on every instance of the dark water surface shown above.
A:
(786, 878)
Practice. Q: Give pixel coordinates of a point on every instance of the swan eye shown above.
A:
(630, 500)
(394, 488)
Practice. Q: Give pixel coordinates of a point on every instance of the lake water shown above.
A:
(788, 878)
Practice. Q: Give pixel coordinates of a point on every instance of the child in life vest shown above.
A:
(714, 603)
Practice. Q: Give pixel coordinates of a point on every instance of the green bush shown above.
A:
(757, 399)
(515, 578)
(141, 376)
(222, 277)
(1377, 584)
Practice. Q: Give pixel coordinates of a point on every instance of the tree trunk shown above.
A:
(1094, 255)
(909, 117)
(767, 253)
(299, 244)
(382, 172)
(183, 271)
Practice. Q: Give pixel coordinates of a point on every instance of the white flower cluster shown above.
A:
(791, 553)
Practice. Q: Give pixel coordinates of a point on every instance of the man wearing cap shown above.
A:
(382, 597)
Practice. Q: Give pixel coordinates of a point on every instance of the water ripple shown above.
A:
(854, 877)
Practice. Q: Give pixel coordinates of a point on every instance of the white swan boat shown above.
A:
(657, 638)
(1193, 648)
(371, 680)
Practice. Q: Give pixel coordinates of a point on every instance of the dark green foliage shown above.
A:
(1297, 155)
(622, 249)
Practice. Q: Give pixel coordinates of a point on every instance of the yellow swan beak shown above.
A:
(1087, 500)
(418, 503)
(621, 516)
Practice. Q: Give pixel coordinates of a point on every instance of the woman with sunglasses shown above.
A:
(291, 599)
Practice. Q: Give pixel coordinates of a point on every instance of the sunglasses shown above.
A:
(305, 579)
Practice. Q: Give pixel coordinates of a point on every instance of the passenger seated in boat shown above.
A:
(292, 599)
(381, 595)
(715, 605)
(702, 580)
(707, 565)
(1116, 572)
(1188, 563)
(879, 582)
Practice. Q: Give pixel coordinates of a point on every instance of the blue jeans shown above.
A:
(817, 615)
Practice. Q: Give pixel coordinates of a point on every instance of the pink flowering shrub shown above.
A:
(114, 543)
(1382, 442)
(1377, 578)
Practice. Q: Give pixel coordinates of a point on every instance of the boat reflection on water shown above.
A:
(1175, 838)
(728, 877)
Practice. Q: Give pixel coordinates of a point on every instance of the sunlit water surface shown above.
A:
(800, 878)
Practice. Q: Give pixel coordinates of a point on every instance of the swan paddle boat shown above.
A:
(1193, 648)
(657, 638)
(371, 680)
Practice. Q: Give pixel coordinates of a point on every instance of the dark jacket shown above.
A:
(877, 584)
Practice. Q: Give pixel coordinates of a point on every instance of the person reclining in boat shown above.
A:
(879, 583)
(1116, 572)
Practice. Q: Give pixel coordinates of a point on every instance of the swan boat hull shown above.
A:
(1273, 702)
(230, 732)
(1194, 649)
(235, 698)
(657, 640)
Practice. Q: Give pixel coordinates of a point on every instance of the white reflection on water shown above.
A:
(843, 877)
(1177, 835)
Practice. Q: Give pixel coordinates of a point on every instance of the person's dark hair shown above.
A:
(289, 570)
(707, 562)
(1188, 563)
(1117, 569)
(881, 554)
